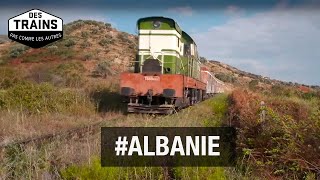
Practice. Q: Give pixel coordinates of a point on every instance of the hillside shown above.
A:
(92, 43)
(245, 77)
(235, 78)
(88, 42)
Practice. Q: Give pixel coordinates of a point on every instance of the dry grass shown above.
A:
(45, 161)
(30, 109)
(17, 125)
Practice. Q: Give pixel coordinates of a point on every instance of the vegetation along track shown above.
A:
(70, 133)
(79, 132)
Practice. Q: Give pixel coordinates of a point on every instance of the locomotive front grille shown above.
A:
(151, 66)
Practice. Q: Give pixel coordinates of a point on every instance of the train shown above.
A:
(167, 73)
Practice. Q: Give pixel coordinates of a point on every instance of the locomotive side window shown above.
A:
(187, 50)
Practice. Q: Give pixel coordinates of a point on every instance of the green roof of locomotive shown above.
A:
(169, 21)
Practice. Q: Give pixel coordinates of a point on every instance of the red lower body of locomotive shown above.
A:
(163, 93)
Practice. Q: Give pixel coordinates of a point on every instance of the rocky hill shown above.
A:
(89, 42)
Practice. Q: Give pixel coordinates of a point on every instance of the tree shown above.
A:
(203, 60)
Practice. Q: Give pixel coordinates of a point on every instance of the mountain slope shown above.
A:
(83, 40)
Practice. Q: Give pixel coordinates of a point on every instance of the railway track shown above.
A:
(67, 134)
(79, 132)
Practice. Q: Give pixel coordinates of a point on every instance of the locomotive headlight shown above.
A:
(156, 24)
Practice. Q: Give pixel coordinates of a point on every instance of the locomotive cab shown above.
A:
(167, 69)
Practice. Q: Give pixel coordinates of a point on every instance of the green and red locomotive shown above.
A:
(167, 73)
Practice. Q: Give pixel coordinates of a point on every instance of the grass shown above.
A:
(43, 162)
(28, 108)
(78, 158)
(95, 171)
(9, 77)
(220, 109)
(284, 130)
(199, 115)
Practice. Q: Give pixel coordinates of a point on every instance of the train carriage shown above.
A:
(214, 85)
(167, 73)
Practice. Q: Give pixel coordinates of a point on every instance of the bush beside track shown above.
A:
(286, 143)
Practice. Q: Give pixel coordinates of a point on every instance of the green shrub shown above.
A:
(17, 50)
(16, 161)
(69, 67)
(253, 84)
(69, 42)
(107, 25)
(132, 46)
(309, 95)
(103, 69)
(94, 30)
(229, 78)
(68, 28)
(122, 36)
(85, 44)
(84, 34)
(88, 56)
(94, 23)
(203, 60)
(281, 90)
(105, 42)
(52, 47)
(65, 53)
(44, 98)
